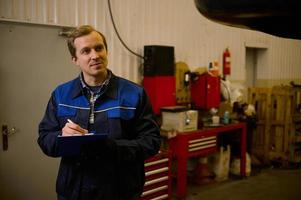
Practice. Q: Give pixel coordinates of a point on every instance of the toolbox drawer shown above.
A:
(157, 177)
(202, 143)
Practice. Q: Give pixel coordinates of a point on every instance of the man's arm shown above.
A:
(49, 130)
(148, 140)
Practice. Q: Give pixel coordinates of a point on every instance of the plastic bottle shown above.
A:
(226, 117)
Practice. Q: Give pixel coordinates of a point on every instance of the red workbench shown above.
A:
(202, 142)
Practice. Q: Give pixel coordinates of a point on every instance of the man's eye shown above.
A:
(85, 51)
(99, 48)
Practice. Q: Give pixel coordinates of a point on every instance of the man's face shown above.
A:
(91, 56)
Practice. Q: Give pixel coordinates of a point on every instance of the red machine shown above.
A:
(161, 91)
(205, 91)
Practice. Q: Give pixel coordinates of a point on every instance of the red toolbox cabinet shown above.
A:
(157, 177)
(205, 91)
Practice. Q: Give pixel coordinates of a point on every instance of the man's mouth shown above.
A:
(96, 64)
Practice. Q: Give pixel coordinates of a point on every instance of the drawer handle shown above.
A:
(202, 143)
(157, 171)
(164, 187)
(202, 139)
(157, 180)
(201, 147)
(156, 162)
(164, 196)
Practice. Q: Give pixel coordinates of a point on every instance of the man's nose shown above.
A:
(94, 54)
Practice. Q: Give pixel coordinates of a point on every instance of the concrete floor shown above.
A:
(266, 184)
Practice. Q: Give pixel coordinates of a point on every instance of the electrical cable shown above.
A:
(118, 35)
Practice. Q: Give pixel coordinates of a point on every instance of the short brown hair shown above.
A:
(81, 31)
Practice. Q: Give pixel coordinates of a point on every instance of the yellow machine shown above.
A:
(182, 74)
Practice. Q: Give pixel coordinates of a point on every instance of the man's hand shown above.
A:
(72, 128)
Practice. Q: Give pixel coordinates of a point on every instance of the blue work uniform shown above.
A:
(112, 168)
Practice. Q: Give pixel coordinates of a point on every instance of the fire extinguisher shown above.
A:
(226, 62)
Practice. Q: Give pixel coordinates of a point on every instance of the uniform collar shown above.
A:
(80, 87)
(112, 90)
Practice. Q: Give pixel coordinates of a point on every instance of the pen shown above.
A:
(69, 120)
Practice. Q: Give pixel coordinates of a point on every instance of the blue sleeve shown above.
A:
(49, 129)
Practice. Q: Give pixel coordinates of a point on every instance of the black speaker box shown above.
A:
(158, 60)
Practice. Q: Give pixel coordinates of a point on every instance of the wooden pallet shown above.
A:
(274, 109)
(295, 137)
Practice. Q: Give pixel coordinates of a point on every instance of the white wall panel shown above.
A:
(66, 13)
(197, 40)
(286, 60)
(50, 12)
(4, 9)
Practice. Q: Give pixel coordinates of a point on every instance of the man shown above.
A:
(99, 102)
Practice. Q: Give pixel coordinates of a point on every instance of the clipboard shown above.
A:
(72, 145)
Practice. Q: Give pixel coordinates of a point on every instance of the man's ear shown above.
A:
(74, 59)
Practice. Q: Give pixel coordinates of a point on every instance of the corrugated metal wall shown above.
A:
(197, 40)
